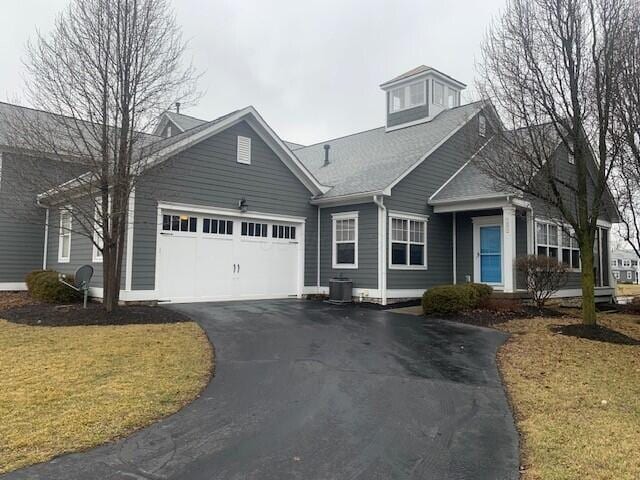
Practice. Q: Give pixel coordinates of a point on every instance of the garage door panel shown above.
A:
(248, 263)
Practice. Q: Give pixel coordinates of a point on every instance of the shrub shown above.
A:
(45, 286)
(448, 299)
(544, 276)
(32, 276)
(483, 291)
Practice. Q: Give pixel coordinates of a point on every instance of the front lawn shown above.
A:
(65, 389)
(576, 401)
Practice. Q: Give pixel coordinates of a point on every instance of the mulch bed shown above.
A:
(488, 318)
(598, 333)
(20, 308)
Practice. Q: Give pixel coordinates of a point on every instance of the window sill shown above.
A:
(64, 260)
(408, 267)
(344, 267)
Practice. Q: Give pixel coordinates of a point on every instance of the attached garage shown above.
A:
(207, 255)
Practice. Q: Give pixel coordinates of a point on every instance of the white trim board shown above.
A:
(227, 212)
(12, 286)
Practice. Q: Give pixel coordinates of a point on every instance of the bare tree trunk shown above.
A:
(587, 279)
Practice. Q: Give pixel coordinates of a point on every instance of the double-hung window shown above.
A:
(547, 239)
(408, 96)
(64, 237)
(629, 275)
(345, 240)
(570, 250)
(408, 248)
(626, 262)
(438, 93)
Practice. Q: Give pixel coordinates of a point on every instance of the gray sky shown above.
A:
(311, 68)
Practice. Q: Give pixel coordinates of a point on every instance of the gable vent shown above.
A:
(244, 150)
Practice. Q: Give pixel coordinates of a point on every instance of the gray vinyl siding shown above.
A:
(21, 224)
(81, 250)
(521, 245)
(208, 175)
(410, 114)
(366, 275)
(411, 195)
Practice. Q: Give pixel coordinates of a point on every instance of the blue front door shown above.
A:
(491, 254)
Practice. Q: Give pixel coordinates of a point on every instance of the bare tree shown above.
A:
(551, 68)
(626, 182)
(544, 276)
(107, 71)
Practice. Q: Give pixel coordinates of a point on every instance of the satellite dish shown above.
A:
(82, 277)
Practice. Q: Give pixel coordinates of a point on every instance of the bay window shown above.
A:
(345, 240)
(408, 245)
(547, 239)
(570, 250)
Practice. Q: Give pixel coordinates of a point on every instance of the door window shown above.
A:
(491, 254)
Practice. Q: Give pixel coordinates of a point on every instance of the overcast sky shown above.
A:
(311, 68)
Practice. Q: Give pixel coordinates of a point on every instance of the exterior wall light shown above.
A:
(242, 205)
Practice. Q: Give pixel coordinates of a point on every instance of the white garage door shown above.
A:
(218, 257)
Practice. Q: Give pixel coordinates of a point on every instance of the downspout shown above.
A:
(382, 247)
(318, 254)
(46, 239)
(455, 249)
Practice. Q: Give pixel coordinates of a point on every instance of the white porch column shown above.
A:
(509, 247)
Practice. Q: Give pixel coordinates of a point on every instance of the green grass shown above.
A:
(66, 389)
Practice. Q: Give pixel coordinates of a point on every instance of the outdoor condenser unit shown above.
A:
(340, 290)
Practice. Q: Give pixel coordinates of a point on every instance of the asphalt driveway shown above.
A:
(305, 390)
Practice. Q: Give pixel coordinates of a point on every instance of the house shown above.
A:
(624, 266)
(227, 210)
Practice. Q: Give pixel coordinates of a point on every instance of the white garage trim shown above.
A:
(233, 212)
(199, 210)
(12, 286)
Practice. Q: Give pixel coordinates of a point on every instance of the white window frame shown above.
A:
(548, 245)
(482, 125)
(97, 254)
(409, 218)
(626, 262)
(406, 89)
(629, 275)
(334, 243)
(246, 141)
(614, 263)
(63, 232)
(569, 231)
(444, 93)
(456, 97)
(616, 275)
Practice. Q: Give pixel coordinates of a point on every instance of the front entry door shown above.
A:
(490, 254)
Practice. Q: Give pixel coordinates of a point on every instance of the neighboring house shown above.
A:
(227, 210)
(624, 266)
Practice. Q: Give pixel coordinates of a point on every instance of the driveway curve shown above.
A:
(306, 390)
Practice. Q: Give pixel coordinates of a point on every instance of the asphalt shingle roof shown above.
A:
(370, 161)
(470, 181)
(184, 122)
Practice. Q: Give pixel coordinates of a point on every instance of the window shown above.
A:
(217, 226)
(168, 130)
(629, 275)
(408, 242)
(438, 93)
(251, 229)
(570, 250)
(634, 263)
(614, 263)
(626, 262)
(571, 158)
(482, 126)
(547, 239)
(244, 150)
(345, 240)
(179, 223)
(283, 231)
(616, 275)
(64, 239)
(408, 96)
(453, 98)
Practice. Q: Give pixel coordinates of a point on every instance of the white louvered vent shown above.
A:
(244, 150)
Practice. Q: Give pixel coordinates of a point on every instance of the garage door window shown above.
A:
(251, 229)
(283, 231)
(217, 226)
(179, 223)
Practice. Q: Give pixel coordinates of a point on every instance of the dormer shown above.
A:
(419, 95)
